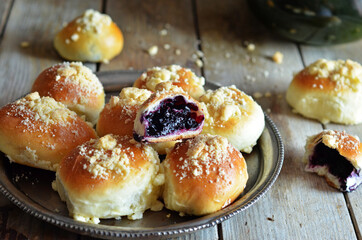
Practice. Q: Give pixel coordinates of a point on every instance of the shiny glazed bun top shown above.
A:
(176, 75)
(329, 91)
(92, 37)
(75, 85)
(203, 175)
(39, 131)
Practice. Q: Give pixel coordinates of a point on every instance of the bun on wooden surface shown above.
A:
(328, 91)
(92, 37)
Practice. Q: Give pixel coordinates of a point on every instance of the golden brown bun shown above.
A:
(119, 114)
(231, 113)
(329, 91)
(75, 86)
(90, 37)
(39, 132)
(337, 156)
(203, 175)
(148, 116)
(174, 74)
(110, 177)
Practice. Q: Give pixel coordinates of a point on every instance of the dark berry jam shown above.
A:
(336, 164)
(173, 115)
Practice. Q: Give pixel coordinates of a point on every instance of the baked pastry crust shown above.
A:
(174, 74)
(93, 37)
(328, 91)
(110, 177)
(119, 114)
(231, 113)
(337, 156)
(203, 175)
(166, 115)
(73, 85)
(39, 132)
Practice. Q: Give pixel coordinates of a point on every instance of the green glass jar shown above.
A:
(317, 22)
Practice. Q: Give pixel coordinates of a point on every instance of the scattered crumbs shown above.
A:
(257, 95)
(67, 41)
(300, 225)
(152, 51)
(270, 218)
(178, 52)
(200, 53)
(182, 214)
(168, 215)
(105, 61)
(56, 210)
(24, 44)
(268, 110)
(250, 47)
(267, 94)
(199, 63)
(293, 31)
(163, 32)
(74, 37)
(253, 60)
(246, 223)
(64, 24)
(227, 55)
(167, 46)
(250, 78)
(278, 57)
(266, 74)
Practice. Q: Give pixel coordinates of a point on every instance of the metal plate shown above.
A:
(30, 188)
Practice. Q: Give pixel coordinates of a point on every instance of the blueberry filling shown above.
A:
(172, 115)
(336, 164)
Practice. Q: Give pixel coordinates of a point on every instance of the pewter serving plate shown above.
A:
(30, 188)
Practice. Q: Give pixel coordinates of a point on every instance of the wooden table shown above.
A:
(300, 205)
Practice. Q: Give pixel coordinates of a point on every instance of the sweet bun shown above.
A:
(75, 86)
(92, 37)
(119, 114)
(176, 75)
(337, 156)
(39, 132)
(328, 91)
(203, 175)
(110, 177)
(231, 113)
(168, 116)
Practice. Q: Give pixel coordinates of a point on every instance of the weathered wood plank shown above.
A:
(342, 51)
(35, 22)
(297, 206)
(5, 6)
(142, 23)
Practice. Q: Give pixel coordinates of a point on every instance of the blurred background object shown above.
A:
(317, 22)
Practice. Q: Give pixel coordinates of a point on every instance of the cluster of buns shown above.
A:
(92, 37)
(329, 91)
(116, 171)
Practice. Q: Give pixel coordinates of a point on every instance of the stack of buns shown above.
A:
(118, 173)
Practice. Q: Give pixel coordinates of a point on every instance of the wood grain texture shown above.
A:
(342, 51)
(297, 206)
(35, 23)
(5, 6)
(141, 23)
